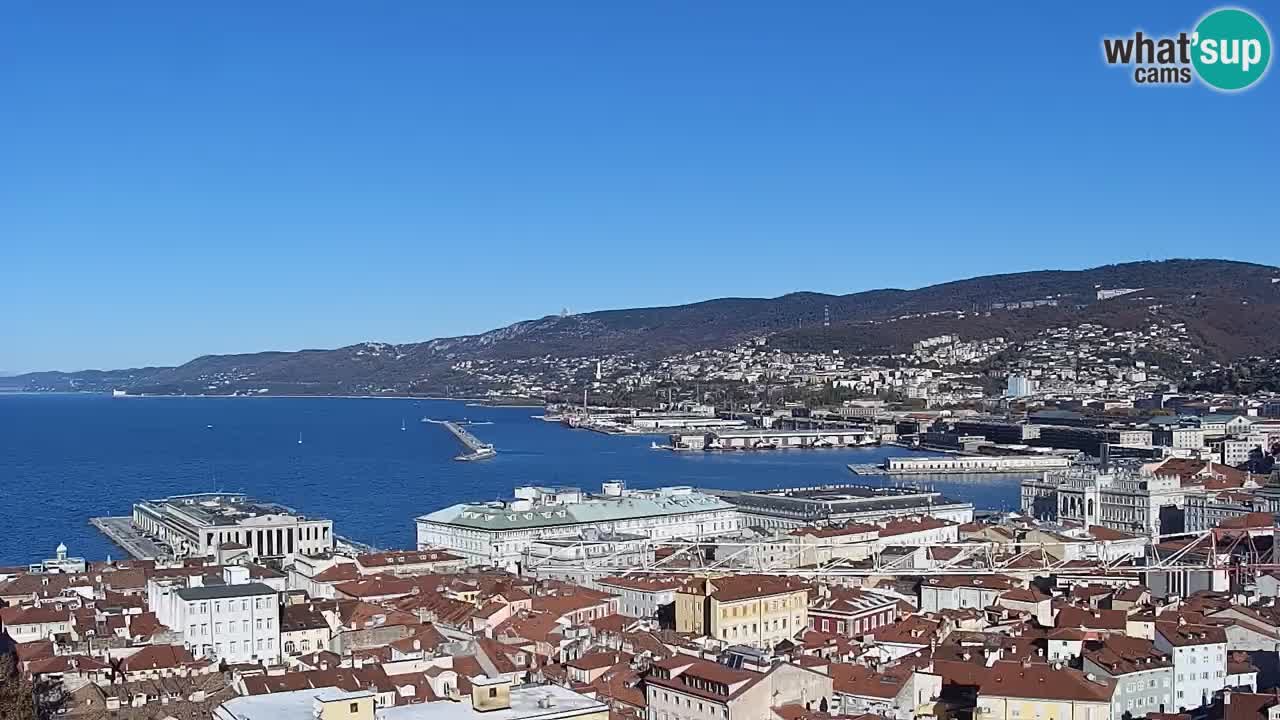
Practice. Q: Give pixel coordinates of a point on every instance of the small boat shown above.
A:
(209, 426)
(299, 438)
(656, 446)
(402, 427)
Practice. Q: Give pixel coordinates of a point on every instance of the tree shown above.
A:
(25, 699)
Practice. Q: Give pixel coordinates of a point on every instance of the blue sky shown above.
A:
(187, 178)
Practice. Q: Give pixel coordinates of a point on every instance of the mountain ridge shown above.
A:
(1232, 307)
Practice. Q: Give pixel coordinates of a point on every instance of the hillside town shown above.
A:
(1085, 361)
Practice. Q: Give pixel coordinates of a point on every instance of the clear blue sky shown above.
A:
(185, 178)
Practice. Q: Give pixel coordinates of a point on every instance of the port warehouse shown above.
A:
(203, 523)
(976, 464)
(1085, 439)
(503, 532)
(751, 439)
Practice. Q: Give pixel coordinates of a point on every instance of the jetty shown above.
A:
(476, 450)
(120, 530)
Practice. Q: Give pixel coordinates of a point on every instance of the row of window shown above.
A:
(195, 630)
(261, 603)
(235, 646)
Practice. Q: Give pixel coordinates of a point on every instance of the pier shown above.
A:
(120, 530)
(476, 450)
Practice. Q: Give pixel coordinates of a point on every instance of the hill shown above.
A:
(1231, 309)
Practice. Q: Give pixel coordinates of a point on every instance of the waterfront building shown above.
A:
(60, 563)
(209, 524)
(499, 533)
(227, 617)
(1118, 498)
(840, 504)
(1090, 440)
(753, 439)
(999, 431)
(756, 610)
(974, 464)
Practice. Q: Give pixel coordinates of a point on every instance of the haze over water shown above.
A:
(67, 458)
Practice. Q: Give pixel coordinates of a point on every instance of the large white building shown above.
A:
(499, 533)
(225, 617)
(1117, 498)
(227, 525)
(839, 504)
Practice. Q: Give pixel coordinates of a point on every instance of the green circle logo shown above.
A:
(1232, 49)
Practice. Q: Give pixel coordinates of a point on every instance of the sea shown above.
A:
(65, 458)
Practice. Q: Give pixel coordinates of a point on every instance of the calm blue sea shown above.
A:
(66, 458)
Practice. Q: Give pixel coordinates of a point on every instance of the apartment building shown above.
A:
(1199, 655)
(850, 611)
(1144, 675)
(758, 610)
(227, 617)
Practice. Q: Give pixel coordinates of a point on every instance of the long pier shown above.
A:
(120, 531)
(476, 450)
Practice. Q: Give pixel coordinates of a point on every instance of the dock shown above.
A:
(476, 450)
(120, 531)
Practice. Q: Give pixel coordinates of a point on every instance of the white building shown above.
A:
(1118, 498)
(1199, 661)
(498, 533)
(1020, 386)
(228, 618)
(208, 524)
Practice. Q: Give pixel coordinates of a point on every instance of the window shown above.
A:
(355, 708)
(493, 692)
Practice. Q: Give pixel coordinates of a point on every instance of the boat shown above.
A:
(299, 438)
(209, 426)
(402, 427)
